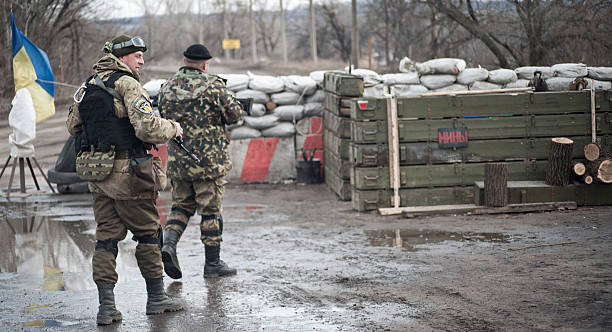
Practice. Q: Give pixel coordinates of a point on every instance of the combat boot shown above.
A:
(215, 267)
(158, 301)
(107, 312)
(171, 263)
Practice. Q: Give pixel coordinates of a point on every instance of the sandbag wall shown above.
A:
(340, 88)
(445, 141)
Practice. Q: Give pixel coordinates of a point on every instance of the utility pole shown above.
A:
(283, 33)
(200, 23)
(253, 35)
(313, 32)
(355, 42)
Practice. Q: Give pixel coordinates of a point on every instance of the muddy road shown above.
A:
(307, 262)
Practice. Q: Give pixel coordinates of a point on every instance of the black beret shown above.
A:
(197, 52)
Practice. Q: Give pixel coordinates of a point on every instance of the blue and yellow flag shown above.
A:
(32, 71)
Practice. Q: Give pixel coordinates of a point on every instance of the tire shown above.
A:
(73, 188)
(63, 177)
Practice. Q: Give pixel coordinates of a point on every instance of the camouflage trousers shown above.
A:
(114, 218)
(204, 196)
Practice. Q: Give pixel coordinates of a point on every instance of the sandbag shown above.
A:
(471, 75)
(317, 97)
(520, 83)
(259, 97)
(313, 109)
(236, 82)
(244, 133)
(369, 76)
(502, 76)
(235, 125)
(600, 73)
(527, 72)
(375, 91)
(482, 85)
(401, 78)
(406, 65)
(318, 75)
(570, 70)
(452, 88)
(411, 90)
(258, 110)
(286, 98)
(441, 66)
(601, 85)
(282, 129)
(289, 112)
(266, 83)
(559, 83)
(302, 85)
(437, 81)
(261, 122)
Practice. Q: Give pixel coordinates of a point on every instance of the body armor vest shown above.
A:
(101, 126)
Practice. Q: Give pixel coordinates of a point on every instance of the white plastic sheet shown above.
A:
(22, 119)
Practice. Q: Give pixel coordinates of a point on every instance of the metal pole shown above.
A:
(313, 32)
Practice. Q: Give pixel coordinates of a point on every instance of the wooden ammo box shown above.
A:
(339, 126)
(342, 84)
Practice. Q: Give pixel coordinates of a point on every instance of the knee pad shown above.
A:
(110, 246)
(177, 222)
(149, 239)
(211, 225)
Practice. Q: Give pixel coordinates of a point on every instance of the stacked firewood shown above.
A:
(597, 166)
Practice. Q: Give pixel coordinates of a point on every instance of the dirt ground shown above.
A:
(307, 262)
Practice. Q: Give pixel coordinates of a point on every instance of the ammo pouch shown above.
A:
(143, 178)
(94, 165)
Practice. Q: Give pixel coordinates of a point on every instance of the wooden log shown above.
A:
(592, 151)
(601, 170)
(579, 168)
(496, 184)
(587, 179)
(558, 170)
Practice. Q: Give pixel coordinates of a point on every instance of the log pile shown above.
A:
(595, 168)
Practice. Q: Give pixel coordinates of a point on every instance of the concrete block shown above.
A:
(262, 160)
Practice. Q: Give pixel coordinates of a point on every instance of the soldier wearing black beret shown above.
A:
(204, 106)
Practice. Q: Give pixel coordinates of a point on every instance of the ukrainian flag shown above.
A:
(32, 71)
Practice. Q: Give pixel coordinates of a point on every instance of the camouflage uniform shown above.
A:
(116, 209)
(201, 103)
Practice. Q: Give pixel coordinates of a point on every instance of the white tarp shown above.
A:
(22, 119)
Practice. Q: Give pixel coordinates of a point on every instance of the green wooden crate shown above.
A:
(338, 105)
(435, 107)
(603, 101)
(336, 145)
(342, 188)
(538, 192)
(367, 178)
(338, 166)
(366, 200)
(369, 155)
(343, 84)
(340, 126)
(485, 128)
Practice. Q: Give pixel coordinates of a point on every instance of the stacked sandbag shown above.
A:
(278, 103)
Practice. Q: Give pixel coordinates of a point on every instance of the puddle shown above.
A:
(410, 239)
(47, 323)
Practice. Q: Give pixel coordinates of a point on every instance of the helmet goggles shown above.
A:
(135, 42)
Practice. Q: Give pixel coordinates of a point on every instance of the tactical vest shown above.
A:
(101, 127)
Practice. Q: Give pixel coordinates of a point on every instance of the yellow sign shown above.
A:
(230, 44)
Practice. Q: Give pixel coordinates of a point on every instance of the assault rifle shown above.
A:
(247, 104)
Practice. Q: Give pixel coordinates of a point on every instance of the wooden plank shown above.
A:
(472, 209)
(394, 163)
(367, 200)
(475, 92)
(484, 128)
(372, 155)
(520, 103)
(418, 176)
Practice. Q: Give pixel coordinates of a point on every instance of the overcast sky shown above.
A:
(127, 8)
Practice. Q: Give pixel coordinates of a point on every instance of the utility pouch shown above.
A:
(94, 165)
(143, 178)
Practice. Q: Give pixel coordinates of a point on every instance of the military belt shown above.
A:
(125, 154)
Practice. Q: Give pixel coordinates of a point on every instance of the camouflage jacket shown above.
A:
(202, 104)
(149, 128)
